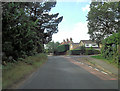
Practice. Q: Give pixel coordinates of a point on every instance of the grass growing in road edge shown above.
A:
(108, 61)
(13, 73)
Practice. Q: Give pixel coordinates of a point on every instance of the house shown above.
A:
(100, 45)
(88, 44)
(74, 46)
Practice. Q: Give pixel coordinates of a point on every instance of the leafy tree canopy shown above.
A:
(51, 46)
(27, 26)
(103, 20)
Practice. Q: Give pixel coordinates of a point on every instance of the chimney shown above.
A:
(71, 39)
(67, 40)
(63, 41)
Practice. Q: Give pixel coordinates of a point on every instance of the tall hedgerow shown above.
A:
(110, 47)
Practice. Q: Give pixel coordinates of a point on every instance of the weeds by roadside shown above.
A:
(106, 60)
(101, 68)
(14, 72)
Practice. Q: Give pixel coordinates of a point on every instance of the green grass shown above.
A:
(106, 60)
(13, 73)
(98, 57)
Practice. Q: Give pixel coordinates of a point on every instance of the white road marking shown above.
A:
(97, 69)
(90, 66)
(103, 72)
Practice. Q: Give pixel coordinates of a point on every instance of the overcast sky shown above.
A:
(74, 22)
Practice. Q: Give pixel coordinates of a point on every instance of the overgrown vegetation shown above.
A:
(91, 51)
(61, 49)
(64, 50)
(14, 72)
(110, 48)
(85, 51)
(103, 20)
(26, 27)
(75, 52)
(51, 47)
(103, 27)
(106, 60)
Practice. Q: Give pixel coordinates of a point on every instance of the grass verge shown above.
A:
(106, 60)
(14, 72)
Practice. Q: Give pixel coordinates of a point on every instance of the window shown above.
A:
(93, 45)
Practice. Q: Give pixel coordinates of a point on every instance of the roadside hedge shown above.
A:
(110, 46)
(75, 52)
(61, 49)
(87, 51)
(91, 51)
(64, 49)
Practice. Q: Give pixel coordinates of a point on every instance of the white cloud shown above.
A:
(86, 8)
(79, 32)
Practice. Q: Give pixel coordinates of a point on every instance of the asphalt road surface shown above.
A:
(61, 72)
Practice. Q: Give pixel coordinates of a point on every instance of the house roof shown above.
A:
(87, 41)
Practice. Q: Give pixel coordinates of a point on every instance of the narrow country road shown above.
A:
(61, 72)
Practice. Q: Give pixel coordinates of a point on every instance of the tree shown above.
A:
(103, 20)
(47, 24)
(51, 46)
(18, 31)
(27, 27)
(110, 48)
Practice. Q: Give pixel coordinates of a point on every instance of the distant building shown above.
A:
(64, 42)
(88, 44)
(74, 46)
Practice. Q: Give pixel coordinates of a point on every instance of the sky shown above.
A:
(74, 22)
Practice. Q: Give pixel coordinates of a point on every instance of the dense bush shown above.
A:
(91, 51)
(75, 52)
(26, 27)
(109, 48)
(96, 52)
(83, 50)
(51, 47)
(62, 48)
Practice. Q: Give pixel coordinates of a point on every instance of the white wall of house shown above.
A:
(91, 45)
